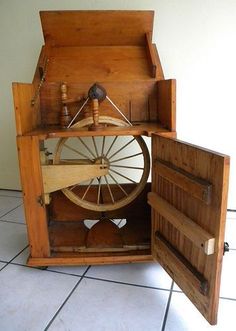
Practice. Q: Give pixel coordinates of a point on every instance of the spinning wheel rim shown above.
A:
(101, 207)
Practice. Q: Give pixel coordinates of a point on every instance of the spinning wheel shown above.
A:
(127, 160)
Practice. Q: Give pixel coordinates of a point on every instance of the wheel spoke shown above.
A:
(127, 157)
(103, 145)
(75, 151)
(119, 174)
(123, 147)
(121, 188)
(112, 144)
(109, 189)
(95, 146)
(82, 142)
(87, 189)
(128, 167)
(71, 188)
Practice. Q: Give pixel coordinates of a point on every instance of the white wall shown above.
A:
(196, 43)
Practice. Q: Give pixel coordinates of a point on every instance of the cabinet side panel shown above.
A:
(27, 116)
(35, 211)
(166, 103)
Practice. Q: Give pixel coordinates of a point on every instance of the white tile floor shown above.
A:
(130, 297)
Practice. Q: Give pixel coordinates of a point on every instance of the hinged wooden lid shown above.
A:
(96, 28)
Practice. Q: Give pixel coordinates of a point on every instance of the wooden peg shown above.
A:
(95, 112)
(65, 116)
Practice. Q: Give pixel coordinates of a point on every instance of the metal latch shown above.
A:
(40, 200)
(226, 247)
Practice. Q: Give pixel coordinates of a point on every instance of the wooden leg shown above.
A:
(32, 185)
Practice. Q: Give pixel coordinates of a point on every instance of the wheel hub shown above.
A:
(102, 160)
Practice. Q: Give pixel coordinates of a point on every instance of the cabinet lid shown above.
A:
(96, 28)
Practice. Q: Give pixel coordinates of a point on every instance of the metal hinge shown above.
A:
(40, 200)
(226, 247)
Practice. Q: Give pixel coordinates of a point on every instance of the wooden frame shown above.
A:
(183, 228)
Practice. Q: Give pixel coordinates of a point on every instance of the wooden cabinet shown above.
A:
(99, 91)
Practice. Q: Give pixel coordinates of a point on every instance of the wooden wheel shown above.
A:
(127, 173)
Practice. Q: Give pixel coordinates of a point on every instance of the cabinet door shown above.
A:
(189, 201)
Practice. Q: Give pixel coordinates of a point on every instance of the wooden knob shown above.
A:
(65, 116)
(63, 92)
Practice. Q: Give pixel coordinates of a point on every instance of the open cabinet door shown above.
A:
(189, 201)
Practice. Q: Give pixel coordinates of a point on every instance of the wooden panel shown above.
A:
(32, 186)
(96, 64)
(159, 72)
(90, 28)
(195, 186)
(180, 265)
(212, 168)
(151, 55)
(201, 238)
(132, 98)
(92, 258)
(62, 209)
(166, 103)
(27, 116)
(138, 129)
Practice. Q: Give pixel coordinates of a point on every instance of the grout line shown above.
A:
(99, 279)
(14, 222)
(124, 283)
(65, 301)
(167, 308)
(54, 271)
(10, 196)
(177, 291)
(2, 266)
(11, 210)
(95, 278)
(9, 262)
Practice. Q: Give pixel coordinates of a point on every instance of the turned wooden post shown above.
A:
(95, 113)
(65, 116)
(96, 94)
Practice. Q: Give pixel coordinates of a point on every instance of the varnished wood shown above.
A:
(57, 176)
(199, 237)
(120, 63)
(104, 234)
(166, 103)
(27, 117)
(35, 210)
(62, 209)
(96, 28)
(195, 186)
(138, 129)
(212, 168)
(65, 116)
(136, 99)
(189, 185)
(59, 259)
(180, 266)
(151, 54)
(112, 204)
(95, 111)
